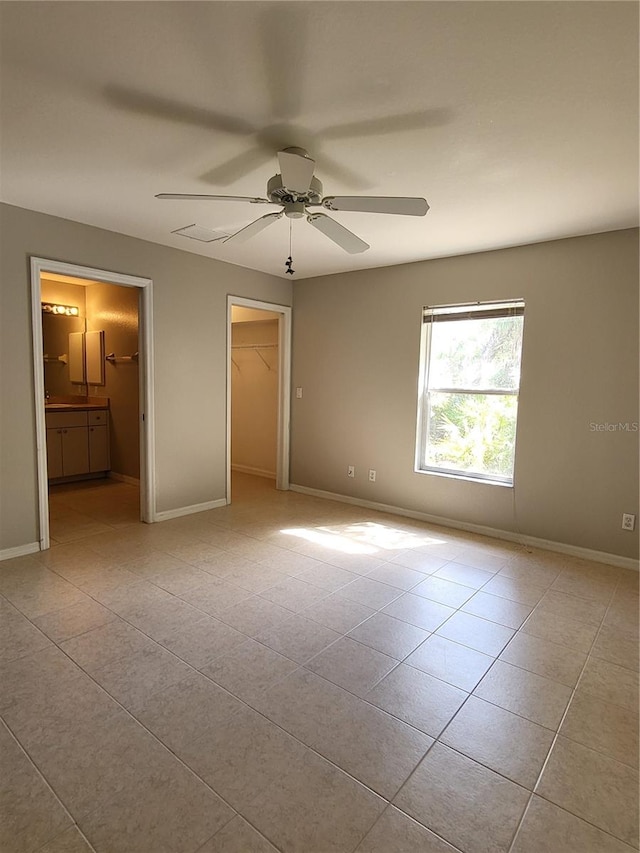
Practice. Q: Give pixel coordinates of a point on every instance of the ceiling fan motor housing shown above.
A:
(293, 201)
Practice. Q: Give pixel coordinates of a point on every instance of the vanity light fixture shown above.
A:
(64, 310)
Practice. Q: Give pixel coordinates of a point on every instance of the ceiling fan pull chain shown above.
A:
(289, 260)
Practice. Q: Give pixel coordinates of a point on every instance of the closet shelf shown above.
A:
(256, 348)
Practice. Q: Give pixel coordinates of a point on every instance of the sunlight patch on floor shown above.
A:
(362, 538)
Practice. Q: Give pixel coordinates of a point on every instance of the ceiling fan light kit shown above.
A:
(296, 190)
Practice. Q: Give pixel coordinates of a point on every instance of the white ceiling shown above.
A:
(517, 121)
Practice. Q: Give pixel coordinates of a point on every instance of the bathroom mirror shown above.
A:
(94, 357)
(56, 332)
(77, 369)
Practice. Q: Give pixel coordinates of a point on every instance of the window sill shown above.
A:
(467, 478)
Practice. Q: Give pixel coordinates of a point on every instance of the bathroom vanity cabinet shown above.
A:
(77, 442)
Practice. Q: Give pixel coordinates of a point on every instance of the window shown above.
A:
(468, 395)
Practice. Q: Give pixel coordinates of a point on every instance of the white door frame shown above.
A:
(284, 386)
(146, 401)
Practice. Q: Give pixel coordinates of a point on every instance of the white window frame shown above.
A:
(465, 310)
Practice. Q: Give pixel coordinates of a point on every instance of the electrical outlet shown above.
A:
(299, 393)
(628, 521)
(372, 475)
(351, 471)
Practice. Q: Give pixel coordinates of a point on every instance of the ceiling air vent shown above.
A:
(197, 232)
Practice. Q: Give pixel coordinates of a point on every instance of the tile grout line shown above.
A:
(138, 723)
(133, 717)
(303, 665)
(166, 747)
(206, 614)
(246, 704)
(557, 735)
(41, 775)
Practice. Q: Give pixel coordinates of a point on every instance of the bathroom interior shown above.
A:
(91, 388)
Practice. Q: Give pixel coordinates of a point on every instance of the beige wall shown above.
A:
(254, 396)
(190, 357)
(356, 349)
(114, 309)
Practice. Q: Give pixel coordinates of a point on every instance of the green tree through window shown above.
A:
(469, 399)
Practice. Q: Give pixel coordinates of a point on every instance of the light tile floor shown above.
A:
(298, 675)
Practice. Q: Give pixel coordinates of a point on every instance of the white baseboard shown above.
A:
(19, 551)
(257, 472)
(124, 478)
(508, 535)
(188, 510)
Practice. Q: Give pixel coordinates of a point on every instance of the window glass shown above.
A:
(469, 399)
(476, 353)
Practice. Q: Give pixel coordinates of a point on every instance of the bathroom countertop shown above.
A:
(75, 404)
(74, 407)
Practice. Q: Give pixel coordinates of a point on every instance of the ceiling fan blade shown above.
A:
(377, 204)
(201, 197)
(167, 108)
(389, 124)
(254, 227)
(340, 172)
(296, 168)
(346, 239)
(237, 167)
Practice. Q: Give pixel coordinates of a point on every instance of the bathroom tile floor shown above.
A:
(299, 675)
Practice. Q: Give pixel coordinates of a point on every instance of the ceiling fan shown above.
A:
(298, 192)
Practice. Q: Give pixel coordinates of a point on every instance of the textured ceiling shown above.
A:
(518, 122)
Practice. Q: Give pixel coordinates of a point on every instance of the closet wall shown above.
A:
(254, 395)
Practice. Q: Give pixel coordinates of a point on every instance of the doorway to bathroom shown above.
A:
(258, 406)
(94, 412)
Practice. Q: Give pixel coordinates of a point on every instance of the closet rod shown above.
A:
(253, 346)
